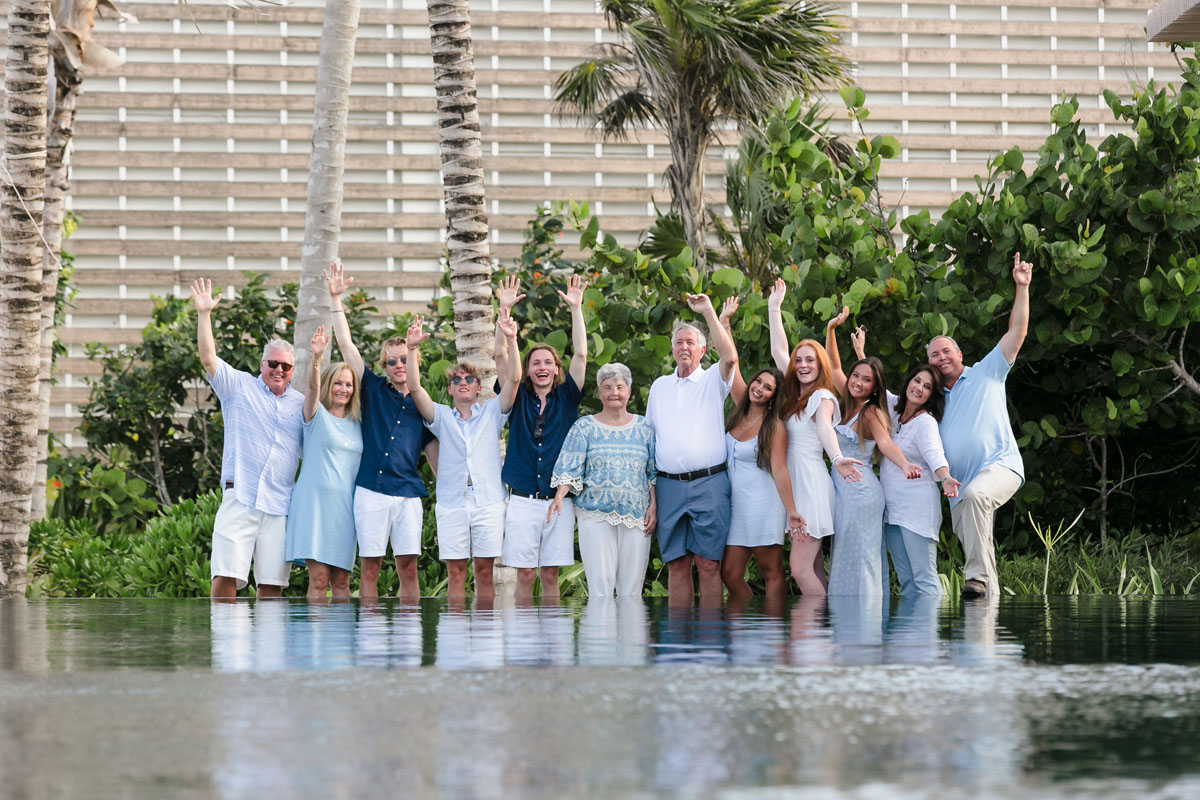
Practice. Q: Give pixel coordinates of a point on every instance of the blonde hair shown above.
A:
(395, 341)
(465, 367)
(328, 374)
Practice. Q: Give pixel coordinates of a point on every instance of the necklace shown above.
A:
(750, 420)
(904, 422)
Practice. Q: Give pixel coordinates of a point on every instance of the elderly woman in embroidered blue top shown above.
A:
(608, 461)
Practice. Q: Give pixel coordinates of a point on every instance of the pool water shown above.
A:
(845, 698)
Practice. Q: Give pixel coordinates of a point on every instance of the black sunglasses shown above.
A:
(391, 362)
(283, 365)
(457, 379)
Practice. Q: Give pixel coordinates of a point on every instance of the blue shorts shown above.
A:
(693, 516)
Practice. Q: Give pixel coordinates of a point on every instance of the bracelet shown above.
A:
(338, 311)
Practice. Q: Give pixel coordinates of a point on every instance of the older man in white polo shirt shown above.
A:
(263, 421)
(687, 411)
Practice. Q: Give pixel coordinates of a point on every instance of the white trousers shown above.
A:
(974, 517)
(614, 558)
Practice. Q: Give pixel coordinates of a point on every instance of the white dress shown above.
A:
(812, 488)
(758, 518)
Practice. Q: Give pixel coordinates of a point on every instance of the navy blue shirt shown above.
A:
(529, 459)
(393, 435)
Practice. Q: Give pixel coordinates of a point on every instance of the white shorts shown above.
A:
(531, 542)
(242, 534)
(469, 531)
(379, 518)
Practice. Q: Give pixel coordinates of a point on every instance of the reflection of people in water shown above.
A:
(248, 637)
(387, 636)
(911, 632)
(613, 631)
(470, 637)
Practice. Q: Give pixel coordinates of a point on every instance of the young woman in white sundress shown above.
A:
(809, 410)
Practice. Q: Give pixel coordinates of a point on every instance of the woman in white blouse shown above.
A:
(913, 508)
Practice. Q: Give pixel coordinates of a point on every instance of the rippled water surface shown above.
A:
(1049, 697)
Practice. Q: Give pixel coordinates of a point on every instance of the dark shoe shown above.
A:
(973, 589)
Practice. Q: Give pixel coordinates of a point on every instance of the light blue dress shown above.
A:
(320, 522)
(758, 518)
(610, 468)
(856, 566)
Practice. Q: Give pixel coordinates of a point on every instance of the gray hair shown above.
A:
(279, 344)
(947, 338)
(614, 370)
(679, 326)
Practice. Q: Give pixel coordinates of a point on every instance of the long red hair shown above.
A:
(795, 396)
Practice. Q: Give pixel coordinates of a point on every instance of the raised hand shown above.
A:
(202, 295)
(778, 291)
(950, 487)
(859, 340)
(336, 277)
(416, 332)
(319, 342)
(509, 292)
(728, 309)
(848, 468)
(573, 297)
(699, 302)
(1022, 271)
(506, 324)
(839, 319)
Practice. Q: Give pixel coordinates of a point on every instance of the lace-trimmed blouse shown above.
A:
(610, 468)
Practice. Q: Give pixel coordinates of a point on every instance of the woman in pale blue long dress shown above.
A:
(320, 523)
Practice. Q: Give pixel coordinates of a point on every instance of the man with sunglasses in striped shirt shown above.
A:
(263, 420)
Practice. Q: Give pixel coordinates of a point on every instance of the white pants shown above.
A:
(614, 558)
(242, 534)
(531, 542)
(974, 516)
(469, 530)
(379, 518)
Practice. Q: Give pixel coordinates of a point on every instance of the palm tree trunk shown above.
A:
(685, 179)
(326, 167)
(462, 182)
(24, 180)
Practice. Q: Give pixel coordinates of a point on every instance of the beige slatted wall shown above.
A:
(191, 159)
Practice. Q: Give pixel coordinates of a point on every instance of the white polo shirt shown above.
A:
(468, 448)
(262, 438)
(688, 417)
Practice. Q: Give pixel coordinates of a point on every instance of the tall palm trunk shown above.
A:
(24, 179)
(462, 181)
(685, 179)
(326, 168)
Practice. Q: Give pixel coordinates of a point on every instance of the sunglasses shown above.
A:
(459, 379)
(283, 365)
(391, 362)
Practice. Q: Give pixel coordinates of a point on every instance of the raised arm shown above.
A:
(780, 352)
(335, 276)
(831, 349)
(421, 399)
(846, 467)
(1018, 320)
(783, 480)
(205, 302)
(509, 294)
(728, 309)
(506, 327)
(312, 390)
(573, 297)
(859, 340)
(722, 341)
(880, 426)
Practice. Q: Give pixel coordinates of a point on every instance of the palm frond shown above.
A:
(587, 88)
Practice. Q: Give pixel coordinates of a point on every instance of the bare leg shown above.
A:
(525, 578)
(549, 577)
(483, 578)
(819, 567)
(368, 580)
(456, 577)
(406, 571)
(712, 593)
(733, 571)
(770, 564)
(224, 587)
(680, 591)
(267, 590)
(805, 552)
(318, 579)
(339, 581)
